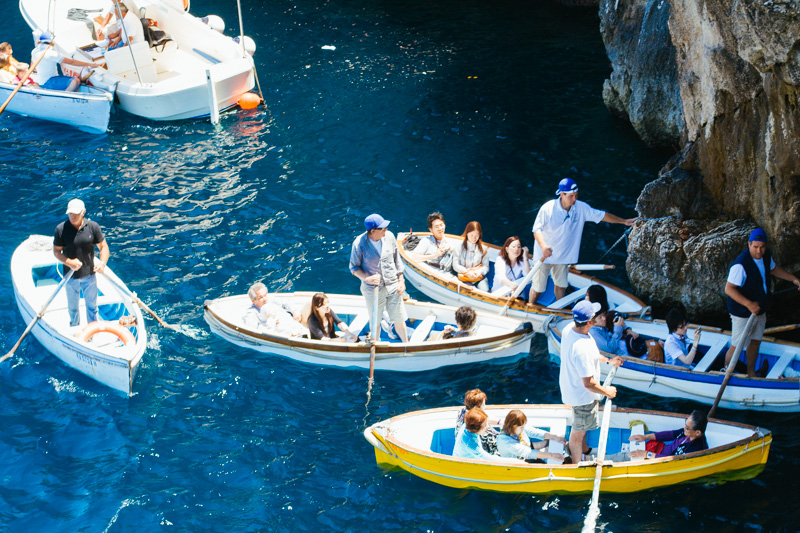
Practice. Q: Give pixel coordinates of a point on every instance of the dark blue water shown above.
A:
(475, 109)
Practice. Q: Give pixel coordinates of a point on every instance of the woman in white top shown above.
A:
(515, 440)
(469, 260)
(511, 266)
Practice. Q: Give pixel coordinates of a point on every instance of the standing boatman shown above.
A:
(749, 293)
(375, 260)
(73, 245)
(558, 229)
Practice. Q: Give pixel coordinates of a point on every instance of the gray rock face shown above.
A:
(643, 86)
(737, 65)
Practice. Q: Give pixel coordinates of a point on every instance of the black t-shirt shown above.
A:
(315, 329)
(79, 243)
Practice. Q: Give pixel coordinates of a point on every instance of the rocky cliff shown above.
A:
(721, 81)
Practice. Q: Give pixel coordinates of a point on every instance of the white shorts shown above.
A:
(737, 327)
(558, 272)
(393, 303)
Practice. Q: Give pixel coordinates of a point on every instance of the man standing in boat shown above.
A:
(749, 293)
(558, 229)
(579, 376)
(434, 249)
(375, 260)
(73, 245)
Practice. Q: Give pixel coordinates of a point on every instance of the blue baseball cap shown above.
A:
(566, 185)
(375, 221)
(757, 235)
(585, 310)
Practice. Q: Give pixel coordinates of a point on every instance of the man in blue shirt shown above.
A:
(375, 260)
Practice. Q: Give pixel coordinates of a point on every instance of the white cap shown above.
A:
(75, 207)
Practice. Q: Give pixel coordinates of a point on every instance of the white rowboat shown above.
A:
(447, 289)
(495, 337)
(771, 393)
(88, 110)
(168, 83)
(35, 274)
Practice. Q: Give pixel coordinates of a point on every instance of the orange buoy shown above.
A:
(122, 333)
(249, 101)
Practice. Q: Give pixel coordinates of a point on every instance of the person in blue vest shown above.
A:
(748, 289)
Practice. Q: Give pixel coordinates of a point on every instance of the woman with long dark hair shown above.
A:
(511, 266)
(323, 320)
(469, 261)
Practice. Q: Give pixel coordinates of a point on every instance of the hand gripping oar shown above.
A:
(22, 81)
(374, 329)
(732, 363)
(135, 299)
(522, 283)
(594, 511)
(37, 317)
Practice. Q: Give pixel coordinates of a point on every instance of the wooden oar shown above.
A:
(521, 286)
(135, 299)
(594, 510)
(37, 317)
(582, 267)
(781, 329)
(374, 328)
(732, 363)
(24, 79)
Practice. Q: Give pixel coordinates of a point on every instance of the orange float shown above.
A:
(249, 101)
(99, 326)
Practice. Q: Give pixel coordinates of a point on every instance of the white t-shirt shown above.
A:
(133, 26)
(562, 229)
(48, 66)
(580, 359)
(737, 275)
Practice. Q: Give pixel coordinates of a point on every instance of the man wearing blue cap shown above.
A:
(375, 260)
(558, 229)
(749, 293)
(579, 376)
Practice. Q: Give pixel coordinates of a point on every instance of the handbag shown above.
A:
(655, 352)
(470, 276)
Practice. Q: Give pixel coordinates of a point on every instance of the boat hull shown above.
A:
(741, 459)
(512, 339)
(88, 110)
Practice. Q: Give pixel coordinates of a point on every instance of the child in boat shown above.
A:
(515, 440)
(323, 321)
(465, 320)
(692, 438)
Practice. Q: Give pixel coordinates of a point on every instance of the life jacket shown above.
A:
(753, 288)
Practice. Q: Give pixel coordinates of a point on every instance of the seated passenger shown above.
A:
(5, 74)
(511, 266)
(477, 398)
(435, 249)
(607, 332)
(465, 319)
(597, 294)
(17, 68)
(676, 347)
(46, 73)
(103, 20)
(692, 438)
(264, 314)
(469, 259)
(515, 440)
(130, 31)
(468, 440)
(323, 321)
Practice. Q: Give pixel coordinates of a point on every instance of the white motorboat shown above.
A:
(494, 337)
(89, 109)
(197, 71)
(104, 350)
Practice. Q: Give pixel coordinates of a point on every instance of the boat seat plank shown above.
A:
(423, 330)
(359, 322)
(711, 355)
(638, 429)
(569, 299)
(780, 365)
(558, 427)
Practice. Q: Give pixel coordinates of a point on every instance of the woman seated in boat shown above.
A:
(468, 440)
(511, 266)
(476, 398)
(676, 347)
(469, 261)
(323, 321)
(597, 294)
(516, 440)
(691, 438)
(17, 68)
(465, 320)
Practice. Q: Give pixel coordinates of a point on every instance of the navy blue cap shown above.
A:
(585, 310)
(757, 235)
(566, 185)
(375, 221)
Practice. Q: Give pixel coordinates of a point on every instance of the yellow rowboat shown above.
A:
(421, 443)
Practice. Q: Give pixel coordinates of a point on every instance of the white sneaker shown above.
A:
(387, 328)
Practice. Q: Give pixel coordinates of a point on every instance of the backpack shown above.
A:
(153, 34)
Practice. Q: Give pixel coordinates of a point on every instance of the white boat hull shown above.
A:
(496, 337)
(741, 393)
(103, 360)
(88, 110)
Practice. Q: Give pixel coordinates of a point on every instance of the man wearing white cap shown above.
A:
(579, 376)
(375, 260)
(558, 230)
(73, 245)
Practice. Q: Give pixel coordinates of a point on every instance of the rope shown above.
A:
(613, 245)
